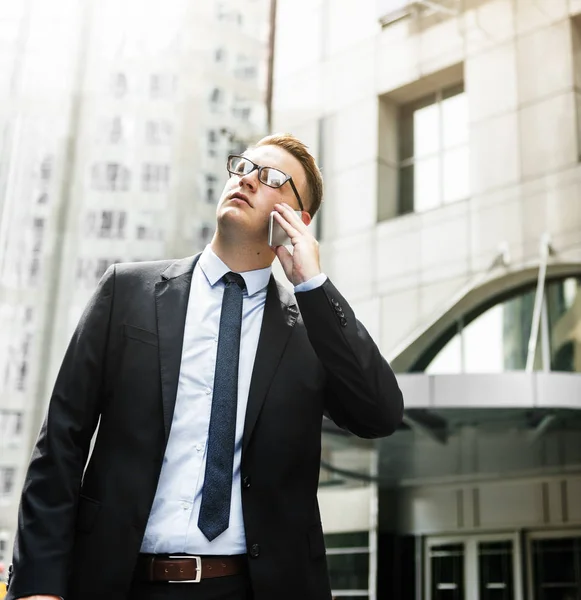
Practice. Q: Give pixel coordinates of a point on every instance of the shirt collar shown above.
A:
(214, 269)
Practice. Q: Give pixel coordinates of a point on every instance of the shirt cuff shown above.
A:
(312, 283)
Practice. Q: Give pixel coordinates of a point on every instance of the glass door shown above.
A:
(555, 560)
(485, 567)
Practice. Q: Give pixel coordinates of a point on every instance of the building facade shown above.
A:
(448, 135)
(115, 122)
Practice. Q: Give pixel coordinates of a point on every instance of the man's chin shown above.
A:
(236, 223)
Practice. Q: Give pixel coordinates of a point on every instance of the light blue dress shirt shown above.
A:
(173, 522)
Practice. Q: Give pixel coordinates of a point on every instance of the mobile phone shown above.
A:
(276, 234)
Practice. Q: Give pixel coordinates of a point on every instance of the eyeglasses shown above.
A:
(240, 165)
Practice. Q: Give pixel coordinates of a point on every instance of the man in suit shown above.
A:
(208, 382)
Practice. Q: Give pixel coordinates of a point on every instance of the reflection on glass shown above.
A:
(454, 121)
(356, 539)
(557, 568)
(426, 131)
(496, 579)
(447, 572)
(349, 571)
(449, 359)
(564, 309)
(426, 184)
(495, 341)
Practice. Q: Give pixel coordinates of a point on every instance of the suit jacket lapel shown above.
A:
(171, 297)
(280, 316)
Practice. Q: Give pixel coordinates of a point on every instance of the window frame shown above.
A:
(406, 112)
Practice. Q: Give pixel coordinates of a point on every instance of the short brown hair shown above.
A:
(294, 146)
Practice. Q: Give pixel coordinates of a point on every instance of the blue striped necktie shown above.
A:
(217, 491)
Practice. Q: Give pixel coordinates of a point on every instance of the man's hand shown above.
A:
(303, 263)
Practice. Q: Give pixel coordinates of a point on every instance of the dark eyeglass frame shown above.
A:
(260, 170)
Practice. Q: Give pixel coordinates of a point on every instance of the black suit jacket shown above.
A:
(80, 529)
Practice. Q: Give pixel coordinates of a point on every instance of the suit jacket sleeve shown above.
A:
(49, 501)
(362, 393)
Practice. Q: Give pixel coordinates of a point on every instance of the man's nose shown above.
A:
(250, 180)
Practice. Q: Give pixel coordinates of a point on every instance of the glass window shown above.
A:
(211, 193)
(496, 578)
(11, 426)
(349, 571)
(162, 85)
(447, 572)
(557, 568)
(106, 224)
(110, 177)
(497, 339)
(7, 475)
(357, 539)
(433, 151)
(158, 132)
(564, 316)
(155, 177)
(119, 85)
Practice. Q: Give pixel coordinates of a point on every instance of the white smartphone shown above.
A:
(276, 234)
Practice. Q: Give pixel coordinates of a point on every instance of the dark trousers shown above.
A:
(233, 587)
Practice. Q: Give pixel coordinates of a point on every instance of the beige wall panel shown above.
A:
(494, 153)
(355, 130)
(489, 24)
(349, 77)
(353, 199)
(537, 13)
(345, 510)
(564, 209)
(397, 59)
(349, 262)
(444, 242)
(348, 23)
(493, 224)
(545, 62)
(548, 135)
(491, 82)
(435, 295)
(398, 254)
(440, 46)
(511, 505)
(431, 510)
(399, 312)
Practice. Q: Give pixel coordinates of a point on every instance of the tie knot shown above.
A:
(234, 278)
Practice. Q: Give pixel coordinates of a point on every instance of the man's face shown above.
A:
(246, 203)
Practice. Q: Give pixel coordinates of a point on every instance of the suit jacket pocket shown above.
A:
(316, 541)
(87, 514)
(141, 335)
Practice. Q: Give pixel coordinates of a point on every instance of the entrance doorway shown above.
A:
(484, 567)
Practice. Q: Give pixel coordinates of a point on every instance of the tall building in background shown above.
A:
(116, 118)
(448, 133)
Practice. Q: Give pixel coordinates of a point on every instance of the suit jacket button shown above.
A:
(246, 482)
(343, 322)
(255, 551)
(334, 302)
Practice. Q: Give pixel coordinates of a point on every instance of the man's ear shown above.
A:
(306, 217)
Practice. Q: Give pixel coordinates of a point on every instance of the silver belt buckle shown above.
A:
(198, 578)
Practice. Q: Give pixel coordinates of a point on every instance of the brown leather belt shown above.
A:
(187, 569)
